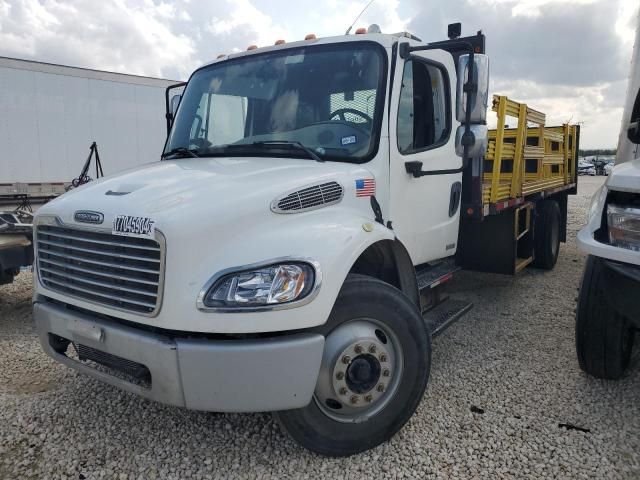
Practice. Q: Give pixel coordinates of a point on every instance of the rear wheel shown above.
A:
(374, 371)
(604, 338)
(546, 234)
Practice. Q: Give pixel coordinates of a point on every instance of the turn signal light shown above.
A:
(361, 30)
(279, 42)
(222, 55)
(310, 36)
(252, 47)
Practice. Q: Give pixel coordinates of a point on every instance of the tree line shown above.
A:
(588, 153)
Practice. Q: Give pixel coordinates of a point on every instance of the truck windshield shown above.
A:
(327, 99)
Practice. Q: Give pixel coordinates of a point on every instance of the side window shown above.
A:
(423, 113)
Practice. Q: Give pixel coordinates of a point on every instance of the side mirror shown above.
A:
(479, 99)
(477, 144)
(173, 105)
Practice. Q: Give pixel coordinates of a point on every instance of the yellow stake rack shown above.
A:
(527, 159)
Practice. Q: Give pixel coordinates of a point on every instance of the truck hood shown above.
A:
(625, 177)
(229, 188)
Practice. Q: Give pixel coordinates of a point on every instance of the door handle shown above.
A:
(414, 167)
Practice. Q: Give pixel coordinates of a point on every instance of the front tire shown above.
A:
(373, 375)
(604, 338)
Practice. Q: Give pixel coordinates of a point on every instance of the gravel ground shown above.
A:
(504, 379)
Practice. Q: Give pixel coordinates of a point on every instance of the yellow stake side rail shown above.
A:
(528, 159)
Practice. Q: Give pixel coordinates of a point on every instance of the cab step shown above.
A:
(445, 314)
(430, 276)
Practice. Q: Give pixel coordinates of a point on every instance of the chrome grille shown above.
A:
(120, 272)
(314, 196)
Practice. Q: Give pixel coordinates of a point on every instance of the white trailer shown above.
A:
(50, 116)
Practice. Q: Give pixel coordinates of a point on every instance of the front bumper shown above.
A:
(248, 375)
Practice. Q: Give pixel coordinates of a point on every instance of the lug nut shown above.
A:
(340, 375)
(357, 349)
(354, 399)
(343, 391)
(386, 372)
(369, 398)
(346, 359)
(383, 357)
(372, 349)
(380, 388)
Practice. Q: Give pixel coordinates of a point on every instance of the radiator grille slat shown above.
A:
(309, 198)
(120, 272)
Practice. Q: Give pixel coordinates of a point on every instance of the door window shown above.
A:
(423, 113)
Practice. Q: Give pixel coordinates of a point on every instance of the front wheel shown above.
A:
(373, 375)
(604, 338)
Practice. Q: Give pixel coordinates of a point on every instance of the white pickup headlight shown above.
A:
(624, 227)
(261, 287)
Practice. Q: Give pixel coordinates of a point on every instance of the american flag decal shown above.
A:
(365, 187)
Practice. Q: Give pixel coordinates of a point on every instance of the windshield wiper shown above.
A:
(291, 143)
(182, 151)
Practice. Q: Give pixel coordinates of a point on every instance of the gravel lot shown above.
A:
(504, 379)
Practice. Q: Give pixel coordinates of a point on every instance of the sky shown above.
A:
(567, 58)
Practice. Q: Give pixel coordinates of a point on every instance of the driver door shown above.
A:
(425, 210)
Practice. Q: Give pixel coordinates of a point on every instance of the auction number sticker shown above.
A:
(129, 226)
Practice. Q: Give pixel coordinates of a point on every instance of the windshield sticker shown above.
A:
(348, 140)
(290, 59)
(128, 226)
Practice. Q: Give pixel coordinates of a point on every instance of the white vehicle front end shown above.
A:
(177, 325)
(608, 313)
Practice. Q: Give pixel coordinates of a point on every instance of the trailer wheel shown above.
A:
(604, 338)
(546, 234)
(374, 371)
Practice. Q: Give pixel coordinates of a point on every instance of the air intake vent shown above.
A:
(309, 198)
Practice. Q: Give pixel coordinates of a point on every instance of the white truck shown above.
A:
(51, 115)
(289, 252)
(608, 312)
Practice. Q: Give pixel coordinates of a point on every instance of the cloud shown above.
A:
(568, 58)
(119, 36)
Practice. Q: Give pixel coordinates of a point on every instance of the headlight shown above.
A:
(266, 286)
(624, 227)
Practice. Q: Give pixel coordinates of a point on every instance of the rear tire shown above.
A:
(345, 430)
(604, 338)
(546, 234)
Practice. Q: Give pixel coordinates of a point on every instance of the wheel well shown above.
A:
(389, 261)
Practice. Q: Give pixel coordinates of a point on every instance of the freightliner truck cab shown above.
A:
(304, 215)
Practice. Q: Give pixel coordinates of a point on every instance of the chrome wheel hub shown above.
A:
(360, 371)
